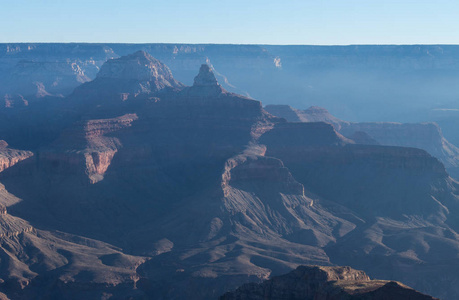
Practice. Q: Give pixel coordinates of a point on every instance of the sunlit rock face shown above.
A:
(9, 157)
(333, 283)
(146, 73)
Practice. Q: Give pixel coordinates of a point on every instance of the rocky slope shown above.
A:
(333, 283)
(217, 192)
(400, 194)
(204, 128)
(56, 264)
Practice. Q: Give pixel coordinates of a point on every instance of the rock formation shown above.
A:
(35, 261)
(85, 147)
(9, 157)
(426, 136)
(312, 114)
(14, 101)
(205, 84)
(129, 76)
(333, 283)
(216, 191)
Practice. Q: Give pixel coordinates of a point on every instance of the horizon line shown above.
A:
(240, 44)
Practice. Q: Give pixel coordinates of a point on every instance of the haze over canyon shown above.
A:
(154, 171)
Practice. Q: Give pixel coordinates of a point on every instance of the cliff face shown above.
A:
(9, 157)
(398, 192)
(426, 136)
(316, 158)
(358, 83)
(218, 192)
(312, 114)
(85, 148)
(317, 283)
(129, 76)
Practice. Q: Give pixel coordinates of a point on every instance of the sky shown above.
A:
(311, 22)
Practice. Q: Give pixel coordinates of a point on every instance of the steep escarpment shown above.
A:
(85, 147)
(312, 114)
(188, 160)
(286, 135)
(334, 283)
(426, 136)
(262, 224)
(176, 140)
(218, 192)
(401, 194)
(330, 168)
(9, 157)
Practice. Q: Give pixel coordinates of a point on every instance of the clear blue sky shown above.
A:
(232, 21)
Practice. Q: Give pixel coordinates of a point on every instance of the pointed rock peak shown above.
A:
(3, 144)
(205, 77)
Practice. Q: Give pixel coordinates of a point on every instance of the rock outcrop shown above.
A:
(14, 101)
(331, 283)
(35, 261)
(130, 76)
(426, 136)
(9, 157)
(312, 114)
(205, 84)
(85, 147)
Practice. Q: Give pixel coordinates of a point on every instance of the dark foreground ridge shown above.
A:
(331, 283)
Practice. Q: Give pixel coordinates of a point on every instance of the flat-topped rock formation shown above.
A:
(332, 283)
(312, 114)
(304, 135)
(426, 136)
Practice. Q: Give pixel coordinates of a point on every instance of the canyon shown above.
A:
(136, 185)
